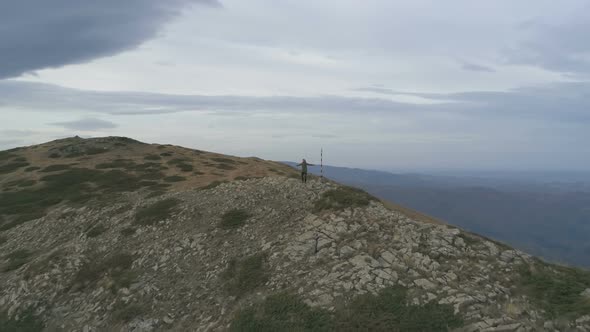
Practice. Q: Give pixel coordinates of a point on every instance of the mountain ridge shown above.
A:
(247, 248)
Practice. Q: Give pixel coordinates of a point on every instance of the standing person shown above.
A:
(304, 165)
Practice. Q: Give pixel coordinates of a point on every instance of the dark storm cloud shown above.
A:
(86, 124)
(41, 34)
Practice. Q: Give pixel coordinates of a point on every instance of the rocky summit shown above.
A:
(116, 235)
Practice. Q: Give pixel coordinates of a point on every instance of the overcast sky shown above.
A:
(393, 85)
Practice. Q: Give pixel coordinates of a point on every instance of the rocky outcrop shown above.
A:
(171, 274)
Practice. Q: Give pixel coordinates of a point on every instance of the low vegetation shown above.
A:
(32, 169)
(74, 185)
(386, 311)
(245, 275)
(556, 289)
(128, 312)
(116, 267)
(12, 166)
(213, 184)
(234, 218)
(16, 259)
(5, 155)
(223, 160)
(341, 198)
(2, 240)
(96, 230)
(55, 168)
(20, 219)
(282, 312)
(152, 157)
(182, 164)
(174, 178)
(150, 215)
(225, 167)
(21, 183)
(27, 322)
(117, 163)
(128, 231)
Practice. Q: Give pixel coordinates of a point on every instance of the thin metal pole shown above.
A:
(322, 163)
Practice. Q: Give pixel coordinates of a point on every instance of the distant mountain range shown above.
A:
(545, 214)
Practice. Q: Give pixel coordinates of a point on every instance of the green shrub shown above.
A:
(556, 289)
(76, 185)
(155, 193)
(166, 154)
(152, 176)
(152, 157)
(20, 219)
(117, 163)
(13, 166)
(151, 214)
(282, 312)
(341, 198)
(213, 184)
(17, 259)
(389, 311)
(129, 312)
(27, 322)
(32, 168)
(5, 155)
(174, 178)
(148, 167)
(128, 231)
(96, 150)
(117, 267)
(224, 160)
(225, 167)
(55, 168)
(2, 240)
(386, 311)
(185, 167)
(54, 155)
(234, 218)
(96, 231)
(177, 161)
(21, 183)
(245, 275)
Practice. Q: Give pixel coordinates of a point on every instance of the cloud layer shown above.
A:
(41, 34)
(86, 124)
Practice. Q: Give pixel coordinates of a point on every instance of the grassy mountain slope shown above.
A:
(117, 241)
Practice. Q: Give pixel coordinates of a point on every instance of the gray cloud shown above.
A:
(86, 124)
(16, 133)
(563, 102)
(476, 67)
(558, 46)
(47, 97)
(43, 34)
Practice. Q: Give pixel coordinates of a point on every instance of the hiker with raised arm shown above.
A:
(304, 165)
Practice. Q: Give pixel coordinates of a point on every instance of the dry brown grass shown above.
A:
(38, 156)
